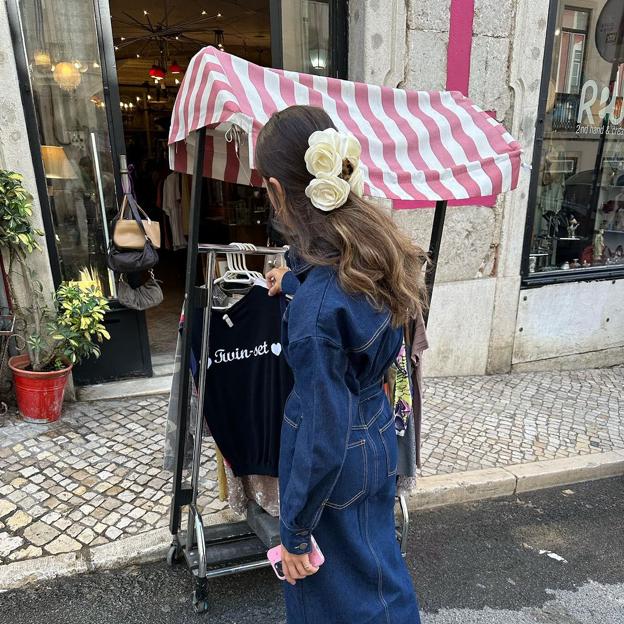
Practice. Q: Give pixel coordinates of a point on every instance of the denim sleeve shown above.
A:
(290, 283)
(320, 369)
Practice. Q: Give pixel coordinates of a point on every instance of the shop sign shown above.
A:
(589, 96)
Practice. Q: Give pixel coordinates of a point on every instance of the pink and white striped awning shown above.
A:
(416, 145)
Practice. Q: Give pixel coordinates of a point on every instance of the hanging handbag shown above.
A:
(146, 296)
(129, 232)
(130, 260)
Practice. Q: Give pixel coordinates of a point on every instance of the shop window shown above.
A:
(64, 66)
(578, 197)
(305, 32)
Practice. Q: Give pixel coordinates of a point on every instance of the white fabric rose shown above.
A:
(328, 192)
(333, 158)
(346, 145)
(356, 182)
(350, 149)
(322, 158)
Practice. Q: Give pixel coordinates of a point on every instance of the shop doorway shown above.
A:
(99, 80)
(154, 43)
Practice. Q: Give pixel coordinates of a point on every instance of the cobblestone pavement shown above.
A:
(96, 476)
(498, 420)
(93, 477)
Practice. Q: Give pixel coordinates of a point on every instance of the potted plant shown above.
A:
(55, 335)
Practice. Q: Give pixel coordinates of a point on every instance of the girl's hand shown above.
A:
(296, 567)
(274, 280)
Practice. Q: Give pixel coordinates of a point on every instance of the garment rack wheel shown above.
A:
(174, 554)
(200, 595)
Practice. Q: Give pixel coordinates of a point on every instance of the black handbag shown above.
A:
(132, 260)
(146, 296)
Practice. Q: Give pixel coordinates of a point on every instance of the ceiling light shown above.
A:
(157, 72)
(138, 56)
(123, 38)
(42, 59)
(174, 68)
(67, 76)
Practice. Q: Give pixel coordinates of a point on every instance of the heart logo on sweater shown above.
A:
(276, 348)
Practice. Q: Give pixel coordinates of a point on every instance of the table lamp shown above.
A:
(57, 167)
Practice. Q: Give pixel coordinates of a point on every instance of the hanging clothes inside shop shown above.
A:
(176, 205)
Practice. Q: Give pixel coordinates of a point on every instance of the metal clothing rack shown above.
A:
(223, 549)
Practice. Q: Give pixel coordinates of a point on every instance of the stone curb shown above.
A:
(436, 491)
(463, 487)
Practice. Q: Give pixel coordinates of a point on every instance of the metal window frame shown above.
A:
(110, 88)
(114, 120)
(32, 129)
(534, 280)
(338, 36)
(587, 32)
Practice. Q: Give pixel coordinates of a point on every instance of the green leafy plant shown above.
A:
(66, 330)
(73, 333)
(17, 233)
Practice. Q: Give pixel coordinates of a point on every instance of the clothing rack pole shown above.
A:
(183, 496)
(434, 252)
(197, 537)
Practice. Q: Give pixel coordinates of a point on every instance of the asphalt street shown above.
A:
(549, 557)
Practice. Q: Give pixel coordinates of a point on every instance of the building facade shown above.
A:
(532, 281)
(505, 299)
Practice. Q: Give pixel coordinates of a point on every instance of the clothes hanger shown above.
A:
(237, 272)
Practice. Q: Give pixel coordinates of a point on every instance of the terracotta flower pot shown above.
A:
(39, 394)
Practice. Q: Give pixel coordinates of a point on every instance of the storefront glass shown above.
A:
(64, 64)
(579, 203)
(305, 33)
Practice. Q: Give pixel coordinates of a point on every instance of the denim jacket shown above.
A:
(338, 347)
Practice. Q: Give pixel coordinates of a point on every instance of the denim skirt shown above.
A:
(364, 579)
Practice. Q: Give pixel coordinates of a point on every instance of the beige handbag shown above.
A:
(130, 233)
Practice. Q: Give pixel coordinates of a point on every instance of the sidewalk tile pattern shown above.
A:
(95, 476)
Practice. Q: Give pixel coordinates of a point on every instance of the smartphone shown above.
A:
(275, 557)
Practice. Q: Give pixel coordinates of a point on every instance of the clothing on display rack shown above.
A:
(264, 490)
(248, 381)
(261, 489)
(175, 204)
(415, 339)
(171, 426)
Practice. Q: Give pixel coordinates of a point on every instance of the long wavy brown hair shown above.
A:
(371, 255)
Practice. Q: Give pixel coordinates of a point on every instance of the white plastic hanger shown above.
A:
(237, 271)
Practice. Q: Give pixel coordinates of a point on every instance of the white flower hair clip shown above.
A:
(333, 158)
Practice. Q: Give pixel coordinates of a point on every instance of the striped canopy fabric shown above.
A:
(416, 145)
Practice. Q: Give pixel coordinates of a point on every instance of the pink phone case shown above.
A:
(275, 557)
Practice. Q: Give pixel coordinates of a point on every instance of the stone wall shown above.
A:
(14, 145)
(475, 302)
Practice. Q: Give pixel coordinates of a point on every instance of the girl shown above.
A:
(356, 279)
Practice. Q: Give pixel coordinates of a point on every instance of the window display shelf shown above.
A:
(545, 278)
